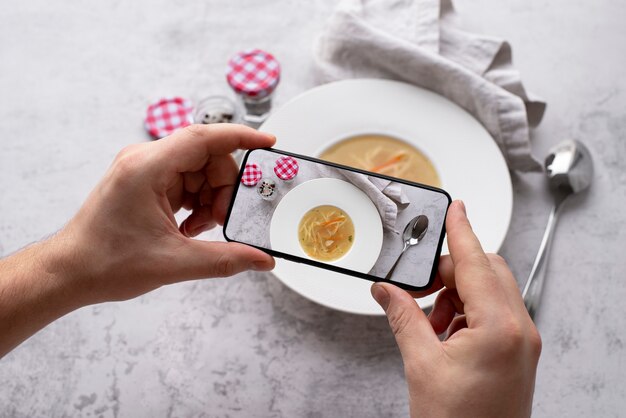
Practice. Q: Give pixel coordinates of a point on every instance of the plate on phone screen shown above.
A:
(468, 162)
(368, 237)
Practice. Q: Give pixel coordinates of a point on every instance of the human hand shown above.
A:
(486, 365)
(125, 241)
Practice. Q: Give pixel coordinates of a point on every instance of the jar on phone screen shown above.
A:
(266, 188)
(286, 168)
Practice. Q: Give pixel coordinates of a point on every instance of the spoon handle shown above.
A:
(534, 286)
(396, 263)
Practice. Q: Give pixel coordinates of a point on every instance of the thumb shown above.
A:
(202, 259)
(411, 328)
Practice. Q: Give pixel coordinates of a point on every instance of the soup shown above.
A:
(326, 233)
(385, 155)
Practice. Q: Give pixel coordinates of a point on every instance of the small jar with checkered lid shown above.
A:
(286, 168)
(254, 75)
(167, 115)
(251, 175)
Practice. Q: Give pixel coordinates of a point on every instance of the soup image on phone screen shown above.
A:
(341, 218)
(326, 233)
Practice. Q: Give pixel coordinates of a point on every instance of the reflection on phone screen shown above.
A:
(338, 217)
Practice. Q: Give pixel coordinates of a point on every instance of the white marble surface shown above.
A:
(75, 78)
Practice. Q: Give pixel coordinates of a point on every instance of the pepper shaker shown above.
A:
(215, 109)
(254, 75)
(266, 188)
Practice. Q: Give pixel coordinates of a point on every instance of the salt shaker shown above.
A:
(254, 75)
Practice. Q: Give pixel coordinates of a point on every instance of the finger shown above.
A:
(446, 306)
(474, 279)
(189, 200)
(201, 259)
(435, 287)
(206, 195)
(221, 170)
(192, 232)
(221, 201)
(193, 181)
(189, 149)
(458, 323)
(446, 271)
(175, 193)
(411, 328)
(509, 284)
(200, 220)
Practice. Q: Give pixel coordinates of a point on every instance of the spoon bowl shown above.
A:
(412, 235)
(569, 168)
(418, 230)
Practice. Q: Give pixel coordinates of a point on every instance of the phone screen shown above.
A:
(339, 218)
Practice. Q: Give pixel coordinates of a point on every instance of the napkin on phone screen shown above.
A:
(417, 41)
(387, 196)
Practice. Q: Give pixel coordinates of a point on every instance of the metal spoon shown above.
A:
(413, 233)
(570, 170)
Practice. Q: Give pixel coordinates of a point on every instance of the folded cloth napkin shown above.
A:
(387, 196)
(416, 41)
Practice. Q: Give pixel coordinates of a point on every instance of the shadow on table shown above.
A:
(361, 335)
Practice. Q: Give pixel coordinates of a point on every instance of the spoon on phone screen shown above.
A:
(412, 235)
(570, 170)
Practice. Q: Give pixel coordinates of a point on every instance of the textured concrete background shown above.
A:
(75, 79)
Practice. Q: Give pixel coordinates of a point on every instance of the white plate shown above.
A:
(470, 165)
(368, 228)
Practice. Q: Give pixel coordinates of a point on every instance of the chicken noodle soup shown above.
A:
(326, 233)
(385, 155)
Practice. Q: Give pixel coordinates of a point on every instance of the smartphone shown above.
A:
(339, 218)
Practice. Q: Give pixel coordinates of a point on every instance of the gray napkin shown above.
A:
(417, 41)
(387, 196)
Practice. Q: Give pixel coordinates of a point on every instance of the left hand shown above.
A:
(125, 241)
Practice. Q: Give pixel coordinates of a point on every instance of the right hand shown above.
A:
(486, 366)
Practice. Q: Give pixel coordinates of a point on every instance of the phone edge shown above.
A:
(341, 270)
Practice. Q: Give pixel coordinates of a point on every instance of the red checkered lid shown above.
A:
(167, 115)
(251, 175)
(286, 168)
(254, 73)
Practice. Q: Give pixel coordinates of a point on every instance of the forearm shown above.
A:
(36, 287)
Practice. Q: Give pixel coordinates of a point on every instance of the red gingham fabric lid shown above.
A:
(254, 73)
(167, 115)
(286, 168)
(251, 175)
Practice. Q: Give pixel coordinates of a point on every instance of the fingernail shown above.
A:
(380, 294)
(269, 135)
(462, 205)
(199, 229)
(259, 266)
(184, 228)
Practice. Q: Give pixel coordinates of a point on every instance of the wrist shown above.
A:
(60, 264)
(36, 288)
